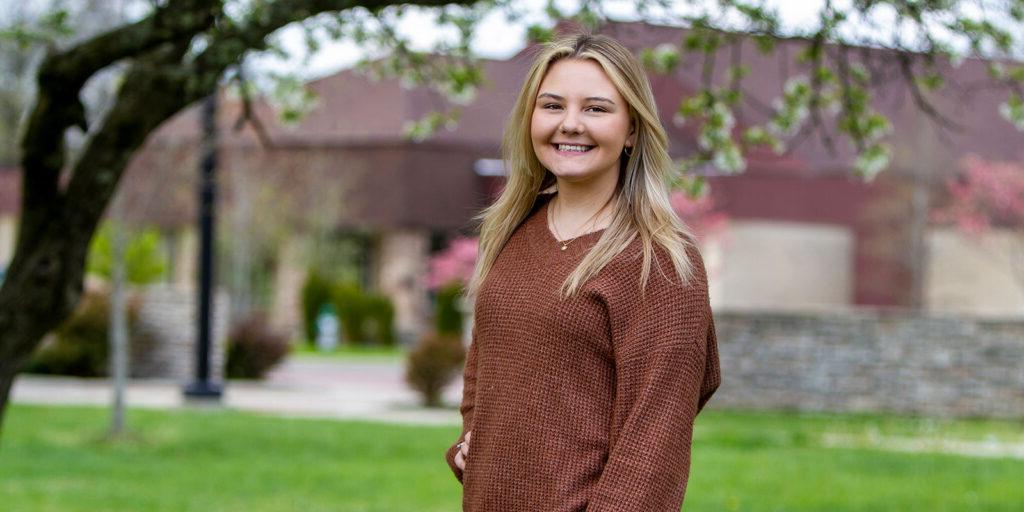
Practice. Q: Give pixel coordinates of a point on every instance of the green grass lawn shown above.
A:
(54, 459)
(303, 349)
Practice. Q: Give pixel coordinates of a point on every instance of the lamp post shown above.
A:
(202, 387)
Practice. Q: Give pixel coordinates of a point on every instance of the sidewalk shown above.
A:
(302, 387)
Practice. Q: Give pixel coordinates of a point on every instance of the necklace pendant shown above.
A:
(564, 246)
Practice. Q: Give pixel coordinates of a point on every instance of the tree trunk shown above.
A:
(8, 371)
(118, 327)
(43, 284)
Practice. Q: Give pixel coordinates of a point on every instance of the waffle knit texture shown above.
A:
(586, 404)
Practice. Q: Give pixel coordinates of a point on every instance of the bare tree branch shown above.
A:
(248, 115)
(906, 67)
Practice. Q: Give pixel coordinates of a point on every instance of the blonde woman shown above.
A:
(593, 345)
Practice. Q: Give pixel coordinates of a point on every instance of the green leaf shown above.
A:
(873, 160)
(694, 186)
(765, 44)
(930, 81)
(539, 34)
(1013, 111)
(144, 258)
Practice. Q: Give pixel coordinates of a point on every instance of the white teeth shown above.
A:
(570, 147)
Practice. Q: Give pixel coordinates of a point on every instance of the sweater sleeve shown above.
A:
(666, 363)
(466, 407)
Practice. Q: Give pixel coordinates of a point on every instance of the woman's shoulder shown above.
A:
(624, 272)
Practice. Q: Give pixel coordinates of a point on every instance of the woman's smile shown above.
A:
(572, 150)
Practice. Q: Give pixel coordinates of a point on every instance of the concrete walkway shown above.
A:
(304, 387)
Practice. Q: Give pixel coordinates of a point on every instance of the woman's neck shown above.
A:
(577, 210)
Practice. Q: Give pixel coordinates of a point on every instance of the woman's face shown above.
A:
(580, 123)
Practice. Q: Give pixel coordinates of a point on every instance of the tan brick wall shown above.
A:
(975, 276)
(8, 233)
(781, 266)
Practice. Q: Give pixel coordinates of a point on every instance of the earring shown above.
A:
(628, 150)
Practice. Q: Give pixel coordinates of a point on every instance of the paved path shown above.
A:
(373, 390)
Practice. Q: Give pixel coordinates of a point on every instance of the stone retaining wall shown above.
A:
(871, 361)
(167, 318)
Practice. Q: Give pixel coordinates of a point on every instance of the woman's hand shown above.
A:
(460, 456)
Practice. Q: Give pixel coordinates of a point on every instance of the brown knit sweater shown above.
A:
(586, 404)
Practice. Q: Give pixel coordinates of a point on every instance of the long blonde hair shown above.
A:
(641, 196)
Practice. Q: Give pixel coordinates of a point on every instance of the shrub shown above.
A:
(365, 318)
(350, 304)
(447, 313)
(316, 291)
(254, 347)
(433, 362)
(144, 258)
(380, 320)
(80, 346)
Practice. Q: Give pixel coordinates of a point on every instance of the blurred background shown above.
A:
(869, 303)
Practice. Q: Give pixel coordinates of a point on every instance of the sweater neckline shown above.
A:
(544, 241)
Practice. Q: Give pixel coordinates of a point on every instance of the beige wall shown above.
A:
(287, 292)
(781, 266)
(186, 256)
(975, 276)
(8, 230)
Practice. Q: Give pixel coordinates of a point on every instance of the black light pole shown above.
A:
(202, 386)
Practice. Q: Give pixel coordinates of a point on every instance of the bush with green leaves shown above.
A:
(316, 292)
(350, 304)
(144, 258)
(447, 312)
(380, 320)
(432, 363)
(254, 347)
(365, 318)
(80, 346)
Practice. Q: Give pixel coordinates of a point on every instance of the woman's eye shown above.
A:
(597, 109)
(550, 106)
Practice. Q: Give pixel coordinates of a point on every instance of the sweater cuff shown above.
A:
(449, 457)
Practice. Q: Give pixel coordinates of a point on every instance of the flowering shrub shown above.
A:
(984, 194)
(453, 265)
(699, 214)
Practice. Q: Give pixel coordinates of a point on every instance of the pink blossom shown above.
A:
(453, 265)
(699, 214)
(983, 195)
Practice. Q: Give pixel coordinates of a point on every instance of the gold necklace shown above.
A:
(551, 220)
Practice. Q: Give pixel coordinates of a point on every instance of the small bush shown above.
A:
(254, 347)
(350, 303)
(144, 258)
(316, 291)
(80, 346)
(433, 362)
(365, 318)
(447, 314)
(380, 320)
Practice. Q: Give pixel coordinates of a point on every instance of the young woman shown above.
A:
(593, 345)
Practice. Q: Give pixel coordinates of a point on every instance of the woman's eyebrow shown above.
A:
(588, 98)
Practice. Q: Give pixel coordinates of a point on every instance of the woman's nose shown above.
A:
(570, 123)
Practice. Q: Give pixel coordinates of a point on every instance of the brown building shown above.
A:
(804, 232)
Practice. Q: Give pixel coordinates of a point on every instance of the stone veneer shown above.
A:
(871, 361)
(167, 317)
